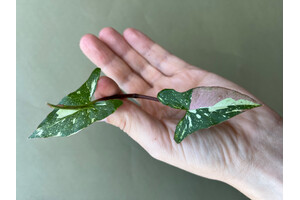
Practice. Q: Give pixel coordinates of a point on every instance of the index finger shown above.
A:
(159, 58)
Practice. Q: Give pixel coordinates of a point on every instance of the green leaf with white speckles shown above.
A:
(82, 95)
(205, 107)
(65, 121)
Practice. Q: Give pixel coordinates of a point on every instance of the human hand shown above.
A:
(245, 151)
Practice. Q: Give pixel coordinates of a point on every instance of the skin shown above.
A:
(245, 151)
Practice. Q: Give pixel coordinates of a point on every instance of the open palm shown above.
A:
(136, 64)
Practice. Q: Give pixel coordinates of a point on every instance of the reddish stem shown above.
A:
(123, 96)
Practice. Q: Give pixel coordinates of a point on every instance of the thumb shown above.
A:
(129, 117)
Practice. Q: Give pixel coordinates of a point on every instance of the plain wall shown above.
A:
(240, 40)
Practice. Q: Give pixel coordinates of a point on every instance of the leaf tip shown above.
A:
(50, 105)
(256, 105)
(38, 133)
(97, 71)
(259, 105)
(32, 136)
(177, 139)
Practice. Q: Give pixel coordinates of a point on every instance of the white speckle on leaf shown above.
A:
(190, 121)
(65, 112)
(206, 114)
(59, 134)
(93, 119)
(74, 120)
(198, 116)
(101, 103)
(93, 87)
(78, 92)
(193, 111)
(229, 102)
(39, 132)
(183, 130)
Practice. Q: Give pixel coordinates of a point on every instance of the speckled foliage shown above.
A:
(77, 111)
(205, 107)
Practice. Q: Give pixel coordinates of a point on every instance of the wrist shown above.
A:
(262, 176)
(259, 184)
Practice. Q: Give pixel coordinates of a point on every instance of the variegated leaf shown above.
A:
(205, 107)
(76, 112)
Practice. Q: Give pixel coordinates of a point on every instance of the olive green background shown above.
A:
(238, 39)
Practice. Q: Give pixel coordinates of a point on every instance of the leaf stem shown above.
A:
(116, 96)
(124, 96)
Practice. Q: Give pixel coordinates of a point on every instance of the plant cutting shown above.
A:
(204, 106)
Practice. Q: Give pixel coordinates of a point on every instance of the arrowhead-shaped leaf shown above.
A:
(205, 107)
(76, 111)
